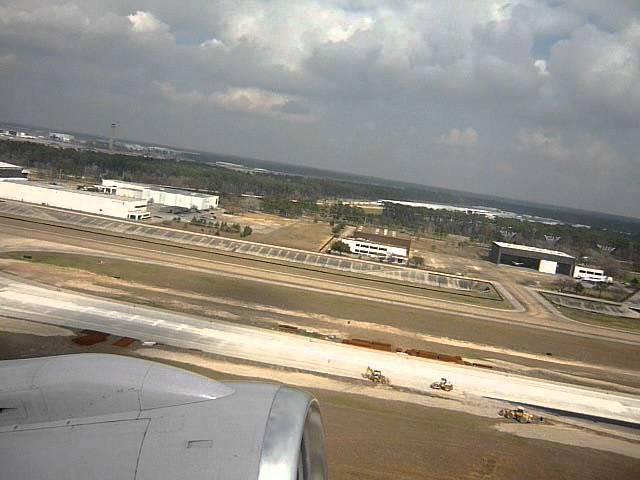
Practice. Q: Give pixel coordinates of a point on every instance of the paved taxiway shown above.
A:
(31, 302)
(365, 300)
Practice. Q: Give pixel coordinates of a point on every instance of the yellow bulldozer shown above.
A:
(443, 384)
(520, 415)
(375, 376)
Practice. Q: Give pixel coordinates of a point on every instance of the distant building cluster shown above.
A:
(61, 137)
(113, 198)
(16, 134)
(236, 167)
(487, 212)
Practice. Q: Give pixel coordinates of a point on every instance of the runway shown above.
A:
(363, 300)
(34, 303)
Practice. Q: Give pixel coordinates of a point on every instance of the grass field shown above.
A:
(303, 235)
(631, 324)
(166, 276)
(453, 245)
(267, 305)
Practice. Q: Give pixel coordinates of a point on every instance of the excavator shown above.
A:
(375, 376)
(443, 384)
(520, 415)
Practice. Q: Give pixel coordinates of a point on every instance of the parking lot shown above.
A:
(311, 259)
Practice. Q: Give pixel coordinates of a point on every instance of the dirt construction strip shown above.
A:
(599, 437)
(33, 303)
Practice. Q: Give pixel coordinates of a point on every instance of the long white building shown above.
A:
(61, 137)
(9, 171)
(163, 195)
(383, 247)
(82, 201)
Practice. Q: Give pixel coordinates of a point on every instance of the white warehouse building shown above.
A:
(163, 195)
(383, 247)
(82, 201)
(61, 137)
(9, 171)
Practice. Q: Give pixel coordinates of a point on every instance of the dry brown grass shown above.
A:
(304, 235)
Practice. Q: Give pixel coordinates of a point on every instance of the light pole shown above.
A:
(113, 133)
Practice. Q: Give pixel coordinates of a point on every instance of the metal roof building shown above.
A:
(60, 197)
(9, 171)
(541, 259)
(162, 195)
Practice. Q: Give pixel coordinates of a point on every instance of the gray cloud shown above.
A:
(534, 99)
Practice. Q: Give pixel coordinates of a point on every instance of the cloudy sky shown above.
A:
(531, 99)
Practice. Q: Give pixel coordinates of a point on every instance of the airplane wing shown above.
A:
(93, 416)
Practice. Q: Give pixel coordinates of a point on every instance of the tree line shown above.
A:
(206, 176)
(294, 196)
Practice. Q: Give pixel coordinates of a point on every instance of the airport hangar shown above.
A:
(78, 200)
(9, 171)
(540, 259)
(163, 195)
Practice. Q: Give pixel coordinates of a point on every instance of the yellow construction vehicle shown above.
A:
(443, 384)
(520, 415)
(375, 376)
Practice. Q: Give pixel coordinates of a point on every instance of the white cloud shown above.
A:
(541, 67)
(212, 43)
(289, 31)
(560, 73)
(599, 70)
(248, 100)
(146, 22)
(258, 102)
(614, 15)
(64, 18)
(457, 138)
(253, 101)
(7, 60)
(167, 90)
(501, 11)
(582, 169)
(584, 152)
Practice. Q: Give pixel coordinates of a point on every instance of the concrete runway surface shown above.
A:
(32, 302)
(537, 316)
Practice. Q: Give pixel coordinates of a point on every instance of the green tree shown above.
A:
(246, 231)
(601, 287)
(337, 228)
(416, 261)
(565, 284)
(341, 247)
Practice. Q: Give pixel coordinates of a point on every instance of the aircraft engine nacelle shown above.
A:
(96, 416)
